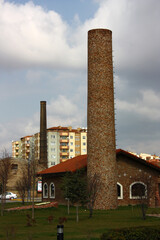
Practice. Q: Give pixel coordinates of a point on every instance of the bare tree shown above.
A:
(93, 187)
(21, 186)
(5, 168)
(33, 186)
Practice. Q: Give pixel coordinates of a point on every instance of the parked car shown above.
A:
(9, 195)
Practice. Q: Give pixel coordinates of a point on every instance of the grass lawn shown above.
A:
(13, 225)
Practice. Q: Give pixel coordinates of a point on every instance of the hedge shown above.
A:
(141, 233)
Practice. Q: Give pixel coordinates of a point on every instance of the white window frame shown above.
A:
(45, 196)
(130, 190)
(121, 191)
(50, 190)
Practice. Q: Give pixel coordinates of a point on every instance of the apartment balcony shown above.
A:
(16, 153)
(63, 154)
(27, 145)
(63, 159)
(27, 151)
(64, 147)
(64, 140)
(65, 134)
(17, 148)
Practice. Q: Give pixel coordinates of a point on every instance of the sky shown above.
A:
(43, 57)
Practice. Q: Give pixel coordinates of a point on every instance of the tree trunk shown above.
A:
(90, 212)
(33, 190)
(77, 216)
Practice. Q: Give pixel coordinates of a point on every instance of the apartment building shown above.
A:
(16, 149)
(62, 143)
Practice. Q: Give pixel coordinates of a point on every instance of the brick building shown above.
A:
(132, 172)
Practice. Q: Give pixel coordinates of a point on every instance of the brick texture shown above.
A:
(132, 171)
(101, 124)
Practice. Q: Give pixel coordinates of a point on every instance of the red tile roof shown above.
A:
(58, 128)
(27, 136)
(81, 161)
(135, 158)
(70, 165)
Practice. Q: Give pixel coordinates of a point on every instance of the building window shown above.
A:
(52, 149)
(71, 150)
(64, 144)
(84, 144)
(52, 163)
(52, 190)
(120, 191)
(52, 136)
(138, 190)
(84, 150)
(84, 137)
(71, 143)
(45, 190)
(53, 156)
(71, 137)
(78, 152)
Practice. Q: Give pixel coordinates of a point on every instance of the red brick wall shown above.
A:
(58, 192)
(130, 171)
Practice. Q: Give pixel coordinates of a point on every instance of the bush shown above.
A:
(132, 234)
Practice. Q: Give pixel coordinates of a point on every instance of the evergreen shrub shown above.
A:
(142, 233)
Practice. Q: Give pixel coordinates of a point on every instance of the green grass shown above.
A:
(14, 223)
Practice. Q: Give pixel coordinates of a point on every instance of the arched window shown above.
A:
(45, 190)
(52, 190)
(138, 190)
(119, 191)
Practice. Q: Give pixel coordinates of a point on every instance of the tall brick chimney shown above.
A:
(101, 123)
(43, 134)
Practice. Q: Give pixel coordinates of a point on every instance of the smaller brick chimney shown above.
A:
(43, 134)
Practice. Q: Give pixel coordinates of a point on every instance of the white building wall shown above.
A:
(53, 148)
(71, 144)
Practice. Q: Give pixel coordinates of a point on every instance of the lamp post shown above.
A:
(67, 205)
(59, 232)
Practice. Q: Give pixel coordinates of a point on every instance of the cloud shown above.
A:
(63, 111)
(136, 35)
(53, 56)
(20, 128)
(31, 36)
(147, 106)
(60, 111)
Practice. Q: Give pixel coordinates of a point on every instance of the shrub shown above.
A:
(132, 234)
